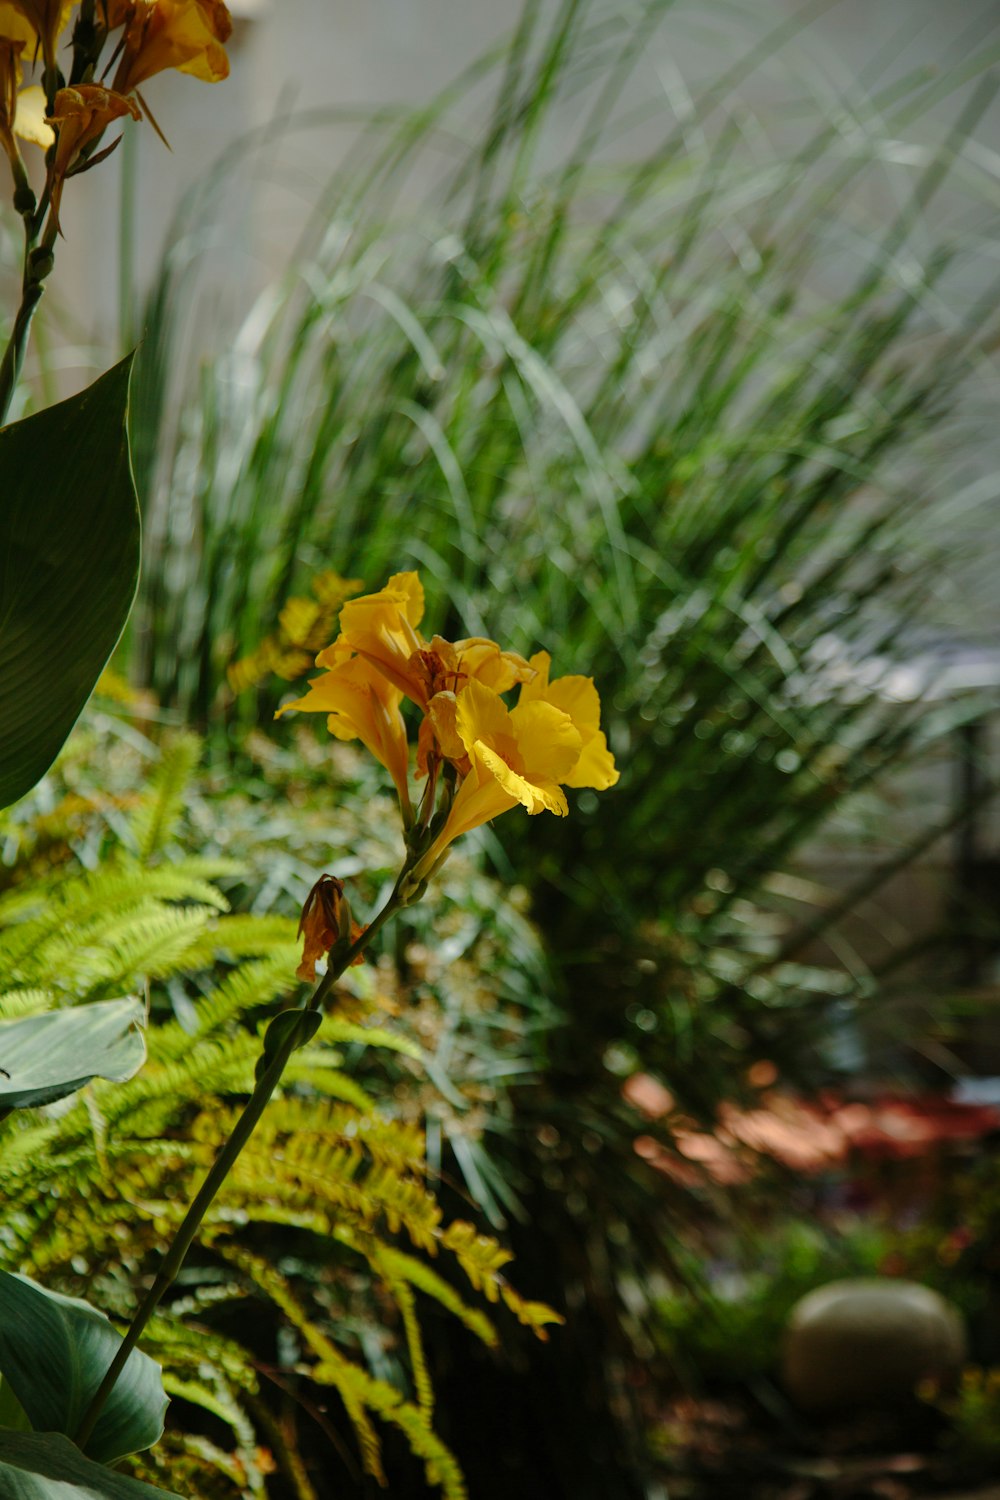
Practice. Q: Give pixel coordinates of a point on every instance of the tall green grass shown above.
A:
(689, 420)
(690, 394)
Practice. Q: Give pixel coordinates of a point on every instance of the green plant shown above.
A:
(102, 892)
(973, 1412)
(701, 408)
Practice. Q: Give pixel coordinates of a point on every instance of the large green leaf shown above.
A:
(69, 564)
(54, 1353)
(46, 1466)
(48, 1056)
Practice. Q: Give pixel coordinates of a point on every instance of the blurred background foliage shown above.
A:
(702, 403)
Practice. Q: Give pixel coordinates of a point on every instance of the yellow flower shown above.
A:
(10, 78)
(17, 29)
(30, 121)
(183, 34)
(577, 697)
(381, 627)
(360, 703)
(517, 756)
(46, 18)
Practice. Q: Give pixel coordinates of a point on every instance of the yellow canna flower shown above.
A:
(360, 703)
(185, 34)
(517, 756)
(16, 29)
(577, 697)
(11, 48)
(30, 117)
(45, 18)
(482, 758)
(381, 627)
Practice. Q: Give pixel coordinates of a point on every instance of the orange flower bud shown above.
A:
(325, 915)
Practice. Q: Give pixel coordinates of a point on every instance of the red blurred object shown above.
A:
(805, 1135)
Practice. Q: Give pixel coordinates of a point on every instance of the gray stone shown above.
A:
(868, 1343)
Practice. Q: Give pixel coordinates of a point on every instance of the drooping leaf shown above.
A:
(47, 1466)
(48, 1056)
(54, 1353)
(69, 563)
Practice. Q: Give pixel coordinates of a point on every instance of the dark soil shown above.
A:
(735, 1448)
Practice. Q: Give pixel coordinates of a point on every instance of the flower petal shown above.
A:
(29, 120)
(548, 740)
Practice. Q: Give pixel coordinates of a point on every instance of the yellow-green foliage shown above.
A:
(327, 1221)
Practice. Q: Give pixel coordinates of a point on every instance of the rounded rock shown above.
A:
(869, 1342)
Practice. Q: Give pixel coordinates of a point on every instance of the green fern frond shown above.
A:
(402, 1294)
(360, 1392)
(255, 983)
(115, 949)
(335, 1030)
(241, 936)
(311, 1069)
(27, 1002)
(534, 1315)
(157, 815)
(330, 1165)
(399, 1266)
(479, 1255)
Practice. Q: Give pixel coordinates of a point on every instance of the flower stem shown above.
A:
(37, 265)
(221, 1167)
(13, 356)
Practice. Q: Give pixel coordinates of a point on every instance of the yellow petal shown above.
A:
(547, 739)
(480, 715)
(361, 704)
(478, 801)
(596, 766)
(536, 796)
(380, 627)
(537, 685)
(578, 697)
(482, 660)
(442, 717)
(411, 595)
(29, 120)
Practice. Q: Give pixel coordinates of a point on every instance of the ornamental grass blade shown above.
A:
(54, 1353)
(69, 544)
(49, 1056)
(47, 1466)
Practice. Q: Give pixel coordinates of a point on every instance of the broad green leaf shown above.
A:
(54, 1353)
(69, 563)
(47, 1466)
(48, 1056)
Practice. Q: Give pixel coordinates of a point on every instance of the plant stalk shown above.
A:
(13, 356)
(220, 1168)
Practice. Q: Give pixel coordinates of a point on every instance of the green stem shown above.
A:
(37, 265)
(219, 1171)
(13, 356)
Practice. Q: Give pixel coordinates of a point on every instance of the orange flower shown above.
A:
(185, 34)
(325, 914)
(80, 116)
